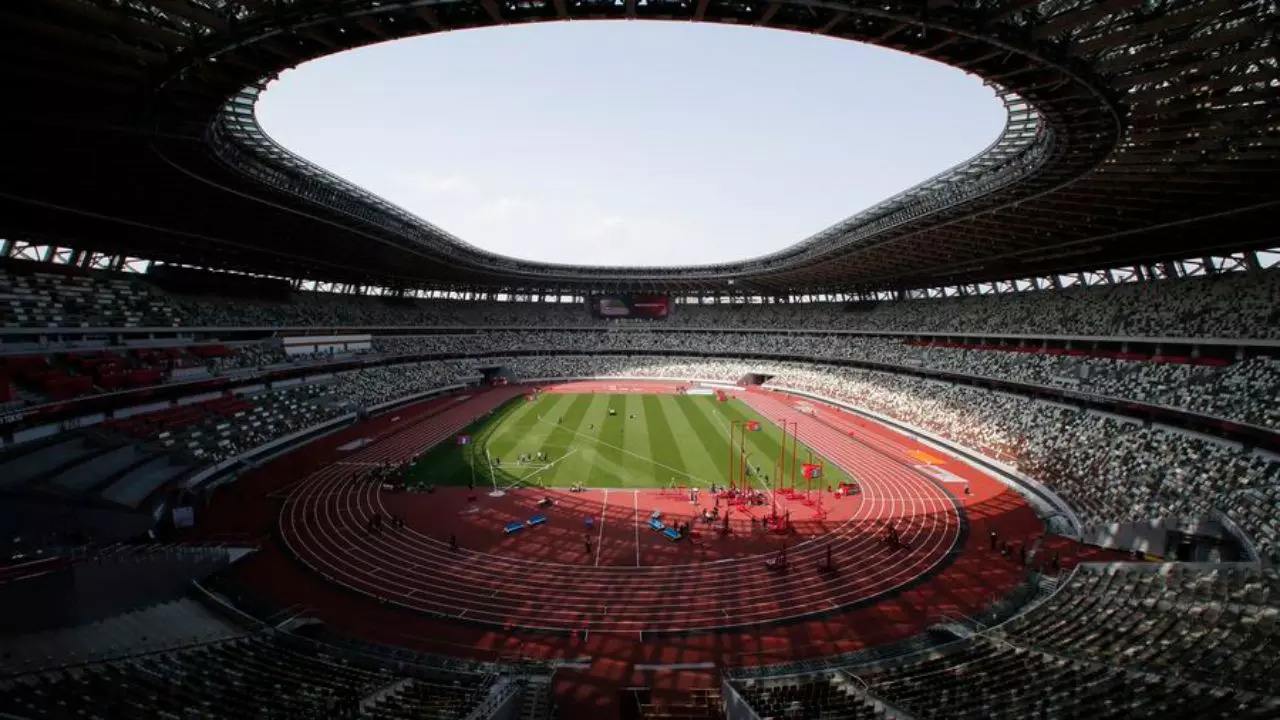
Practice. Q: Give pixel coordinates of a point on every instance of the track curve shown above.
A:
(323, 519)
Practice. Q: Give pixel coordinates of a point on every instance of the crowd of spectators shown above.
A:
(1232, 305)
(1215, 626)
(1228, 305)
(264, 417)
(1243, 391)
(372, 386)
(1116, 641)
(329, 310)
(258, 676)
(985, 680)
(69, 297)
(227, 426)
(1108, 467)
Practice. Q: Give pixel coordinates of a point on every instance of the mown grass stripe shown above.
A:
(572, 454)
(662, 440)
(707, 446)
(637, 443)
(681, 436)
(606, 467)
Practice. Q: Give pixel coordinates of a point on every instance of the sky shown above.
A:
(631, 143)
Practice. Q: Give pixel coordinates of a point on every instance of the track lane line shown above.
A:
(366, 497)
(600, 537)
(635, 504)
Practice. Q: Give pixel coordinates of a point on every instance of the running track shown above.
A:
(323, 520)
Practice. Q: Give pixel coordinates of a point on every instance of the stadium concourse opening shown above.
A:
(390, 531)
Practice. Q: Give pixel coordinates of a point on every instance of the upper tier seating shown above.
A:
(68, 299)
(1235, 305)
(1243, 391)
(375, 385)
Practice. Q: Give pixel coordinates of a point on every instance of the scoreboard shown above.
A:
(646, 307)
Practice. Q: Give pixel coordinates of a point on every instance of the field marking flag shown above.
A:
(753, 425)
(464, 439)
(813, 472)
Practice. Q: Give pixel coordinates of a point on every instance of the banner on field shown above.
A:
(813, 472)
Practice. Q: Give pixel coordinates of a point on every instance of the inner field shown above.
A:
(653, 441)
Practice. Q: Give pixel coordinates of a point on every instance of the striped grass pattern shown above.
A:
(653, 441)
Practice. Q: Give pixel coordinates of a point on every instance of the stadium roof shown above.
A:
(1138, 130)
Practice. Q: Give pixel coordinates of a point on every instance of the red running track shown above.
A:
(323, 521)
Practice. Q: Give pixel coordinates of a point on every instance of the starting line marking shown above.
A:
(940, 474)
(925, 457)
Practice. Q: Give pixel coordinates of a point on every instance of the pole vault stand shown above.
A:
(819, 508)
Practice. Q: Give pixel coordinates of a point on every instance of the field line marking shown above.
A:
(600, 538)
(664, 466)
(635, 504)
(549, 465)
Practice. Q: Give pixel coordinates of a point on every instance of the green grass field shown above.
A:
(680, 438)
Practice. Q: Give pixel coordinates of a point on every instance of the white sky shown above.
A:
(630, 143)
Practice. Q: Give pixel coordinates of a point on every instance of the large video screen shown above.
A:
(648, 307)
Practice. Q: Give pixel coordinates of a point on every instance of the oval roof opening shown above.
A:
(631, 143)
